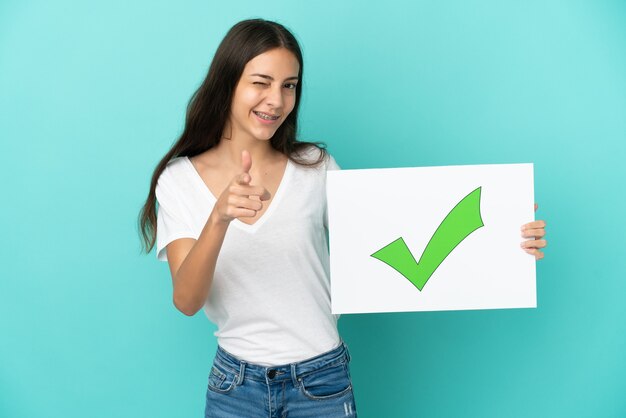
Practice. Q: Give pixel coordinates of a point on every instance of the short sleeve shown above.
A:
(331, 164)
(171, 225)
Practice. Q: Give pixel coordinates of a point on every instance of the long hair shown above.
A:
(209, 107)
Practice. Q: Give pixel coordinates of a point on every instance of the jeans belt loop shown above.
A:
(294, 376)
(242, 371)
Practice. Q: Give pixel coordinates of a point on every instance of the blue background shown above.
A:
(92, 95)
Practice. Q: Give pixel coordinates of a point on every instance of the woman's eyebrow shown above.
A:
(272, 78)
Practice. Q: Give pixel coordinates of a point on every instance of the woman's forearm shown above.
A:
(192, 281)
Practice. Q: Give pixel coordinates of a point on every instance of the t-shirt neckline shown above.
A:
(268, 212)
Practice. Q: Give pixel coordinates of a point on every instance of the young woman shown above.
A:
(242, 224)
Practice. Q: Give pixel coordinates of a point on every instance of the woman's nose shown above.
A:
(275, 97)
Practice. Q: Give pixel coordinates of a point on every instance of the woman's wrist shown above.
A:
(216, 220)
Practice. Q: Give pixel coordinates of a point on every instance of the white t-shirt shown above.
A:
(270, 295)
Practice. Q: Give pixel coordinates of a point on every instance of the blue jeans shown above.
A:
(313, 388)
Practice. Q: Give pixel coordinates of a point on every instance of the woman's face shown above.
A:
(265, 95)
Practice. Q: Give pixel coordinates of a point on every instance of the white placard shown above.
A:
(388, 236)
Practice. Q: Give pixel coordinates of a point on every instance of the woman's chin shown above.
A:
(264, 136)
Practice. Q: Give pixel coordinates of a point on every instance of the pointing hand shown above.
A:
(235, 201)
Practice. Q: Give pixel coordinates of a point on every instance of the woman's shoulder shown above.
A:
(311, 153)
(174, 167)
(174, 173)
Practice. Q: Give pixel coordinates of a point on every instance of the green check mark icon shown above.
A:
(460, 222)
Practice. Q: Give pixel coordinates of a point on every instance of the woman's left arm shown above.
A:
(535, 230)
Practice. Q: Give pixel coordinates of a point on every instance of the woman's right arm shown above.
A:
(192, 262)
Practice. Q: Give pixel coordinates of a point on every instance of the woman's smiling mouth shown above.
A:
(265, 117)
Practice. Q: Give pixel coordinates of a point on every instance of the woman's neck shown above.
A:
(261, 152)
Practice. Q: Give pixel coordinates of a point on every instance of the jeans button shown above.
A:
(271, 374)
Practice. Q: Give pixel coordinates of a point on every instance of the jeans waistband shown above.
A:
(283, 372)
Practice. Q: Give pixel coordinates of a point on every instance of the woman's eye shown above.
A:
(291, 86)
(260, 83)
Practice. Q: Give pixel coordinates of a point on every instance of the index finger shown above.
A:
(266, 195)
(534, 225)
(258, 191)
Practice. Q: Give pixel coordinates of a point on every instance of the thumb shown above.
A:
(246, 161)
